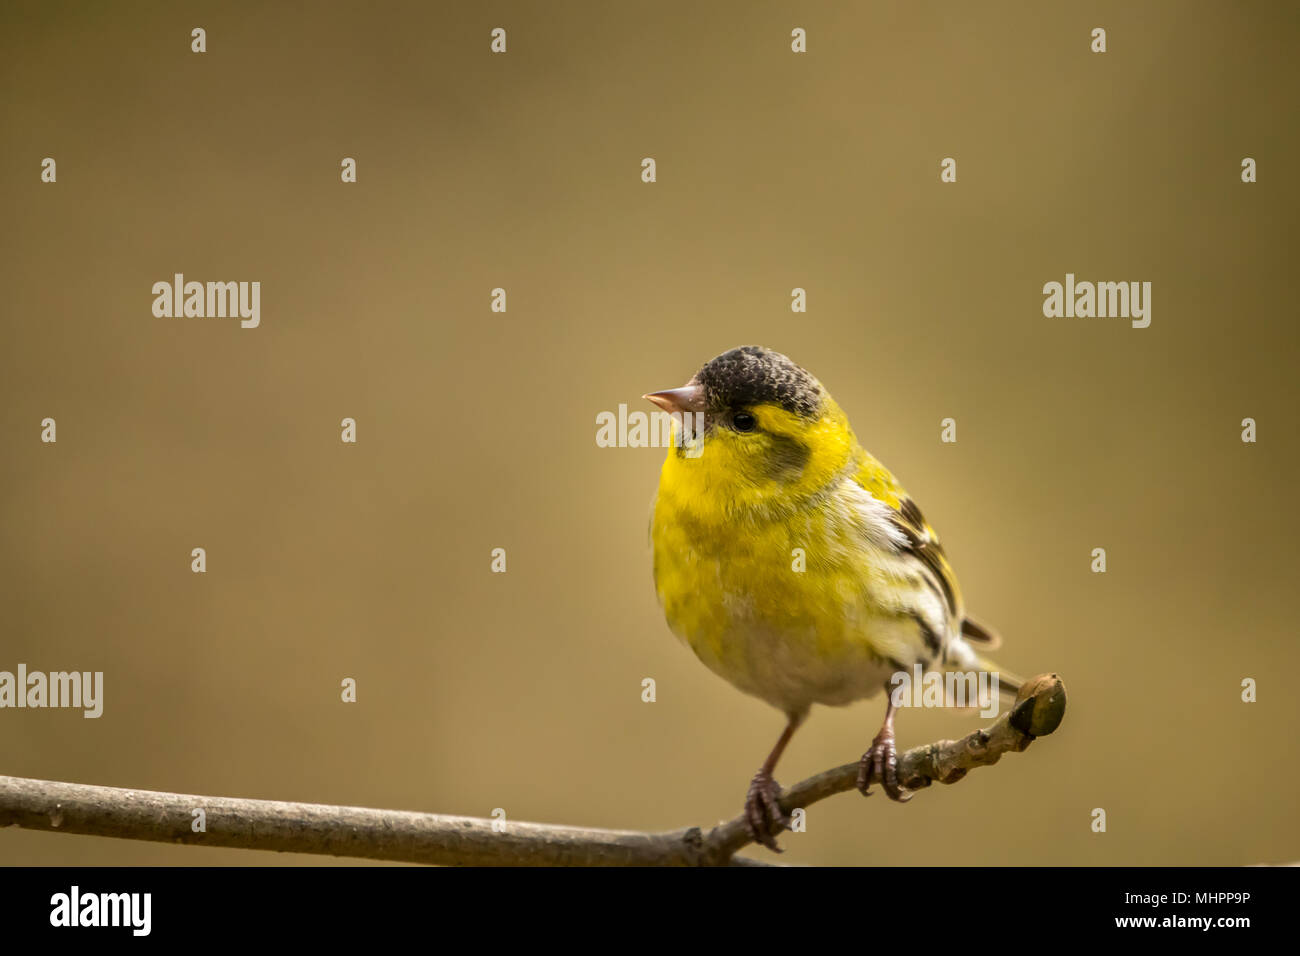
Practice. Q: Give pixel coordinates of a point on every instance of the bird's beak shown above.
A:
(688, 398)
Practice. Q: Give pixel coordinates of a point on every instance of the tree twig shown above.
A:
(402, 836)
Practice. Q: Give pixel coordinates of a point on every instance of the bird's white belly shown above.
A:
(793, 670)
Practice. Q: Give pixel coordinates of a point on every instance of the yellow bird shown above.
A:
(792, 561)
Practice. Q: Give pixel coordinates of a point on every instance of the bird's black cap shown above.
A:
(753, 375)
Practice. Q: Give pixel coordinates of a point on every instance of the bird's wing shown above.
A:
(921, 542)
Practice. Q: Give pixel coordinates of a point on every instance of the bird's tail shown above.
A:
(1009, 684)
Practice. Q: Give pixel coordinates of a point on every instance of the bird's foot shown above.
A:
(763, 814)
(880, 765)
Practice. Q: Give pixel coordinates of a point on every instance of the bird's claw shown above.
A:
(763, 814)
(880, 765)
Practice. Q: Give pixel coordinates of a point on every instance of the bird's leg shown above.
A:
(763, 812)
(880, 763)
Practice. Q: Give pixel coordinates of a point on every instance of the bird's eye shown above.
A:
(743, 422)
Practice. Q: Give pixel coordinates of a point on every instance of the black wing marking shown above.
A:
(925, 547)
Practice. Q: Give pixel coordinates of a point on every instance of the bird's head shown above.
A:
(769, 434)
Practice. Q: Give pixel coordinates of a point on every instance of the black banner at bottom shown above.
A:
(905, 905)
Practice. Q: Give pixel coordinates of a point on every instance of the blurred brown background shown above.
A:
(477, 430)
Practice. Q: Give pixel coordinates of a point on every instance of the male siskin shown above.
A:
(774, 466)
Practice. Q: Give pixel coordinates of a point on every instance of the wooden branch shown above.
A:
(402, 836)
